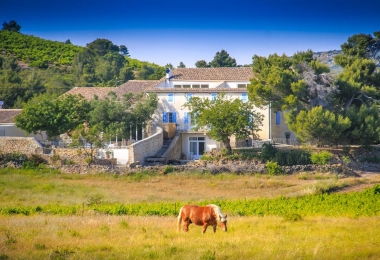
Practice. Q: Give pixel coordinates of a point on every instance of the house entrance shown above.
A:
(197, 147)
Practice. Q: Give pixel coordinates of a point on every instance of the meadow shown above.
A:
(48, 215)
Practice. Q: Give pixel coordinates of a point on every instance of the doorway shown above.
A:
(197, 147)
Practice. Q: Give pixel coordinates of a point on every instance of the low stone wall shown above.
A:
(146, 147)
(25, 145)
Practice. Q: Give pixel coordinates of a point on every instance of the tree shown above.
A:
(114, 117)
(102, 46)
(202, 64)
(319, 126)
(124, 50)
(222, 59)
(181, 65)
(88, 138)
(169, 65)
(224, 117)
(52, 114)
(299, 82)
(12, 26)
(68, 41)
(365, 125)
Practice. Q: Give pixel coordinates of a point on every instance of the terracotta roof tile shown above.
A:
(135, 86)
(89, 92)
(221, 74)
(7, 115)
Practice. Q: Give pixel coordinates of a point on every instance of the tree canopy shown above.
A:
(302, 87)
(12, 26)
(64, 114)
(224, 117)
(222, 59)
(54, 115)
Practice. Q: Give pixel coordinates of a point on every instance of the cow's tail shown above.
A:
(179, 220)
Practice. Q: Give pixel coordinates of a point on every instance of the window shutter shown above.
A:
(174, 117)
(164, 118)
(186, 120)
(278, 121)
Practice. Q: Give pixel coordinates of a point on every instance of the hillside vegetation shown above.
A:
(30, 65)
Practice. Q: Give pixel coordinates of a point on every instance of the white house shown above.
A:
(183, 83)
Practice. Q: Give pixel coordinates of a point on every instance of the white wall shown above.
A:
(12, 130)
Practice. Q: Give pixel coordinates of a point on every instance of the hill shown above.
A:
(30, 65)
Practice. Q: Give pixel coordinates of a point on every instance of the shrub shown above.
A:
(273, 168)
(289, 158)
(321, 158)
(268, 152)
(206, 157)
(168, 169)
(34, 162)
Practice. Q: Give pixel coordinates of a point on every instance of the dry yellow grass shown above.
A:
(126, 237)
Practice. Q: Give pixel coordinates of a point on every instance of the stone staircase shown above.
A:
(158, 156)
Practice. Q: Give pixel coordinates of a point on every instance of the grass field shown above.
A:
(92, 235)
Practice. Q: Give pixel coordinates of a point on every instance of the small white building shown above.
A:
(9, 128)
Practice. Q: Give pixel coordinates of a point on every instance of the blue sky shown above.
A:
(173, 31)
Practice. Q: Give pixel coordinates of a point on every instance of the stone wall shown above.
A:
(175, 149)
(25, 145)
(146, 147)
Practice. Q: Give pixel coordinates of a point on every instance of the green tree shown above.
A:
(12, 26)
(53, 115)
(124, 50)
(102, 46)
(222, 59)
(169, 65)
(202, 64)
(287, 83)
(181, 65)
(88, 138)
(224, 117)
(319, 126)
(365, 126)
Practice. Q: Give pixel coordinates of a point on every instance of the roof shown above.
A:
(199, 90)
(7, 115)
(89, 92)
(135, 86)
(220, 74)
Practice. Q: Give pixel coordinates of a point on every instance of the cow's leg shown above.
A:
(204, 227)
(214, 227)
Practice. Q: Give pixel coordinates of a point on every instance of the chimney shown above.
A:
(168, 74)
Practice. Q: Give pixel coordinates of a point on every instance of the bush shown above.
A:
(273, 168)
(289, 158)
(321, 158)
(168, 169)
(268, 152)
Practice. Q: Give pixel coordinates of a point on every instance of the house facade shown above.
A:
(183, 83)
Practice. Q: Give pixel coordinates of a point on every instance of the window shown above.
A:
(244, 97)
(278, 118)
(242, 85)
(169, 117)
(177, 86)
(188, 96)
(171, 97)
(196, 86)
(204, 86)
(186, 86)
(213, 96)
